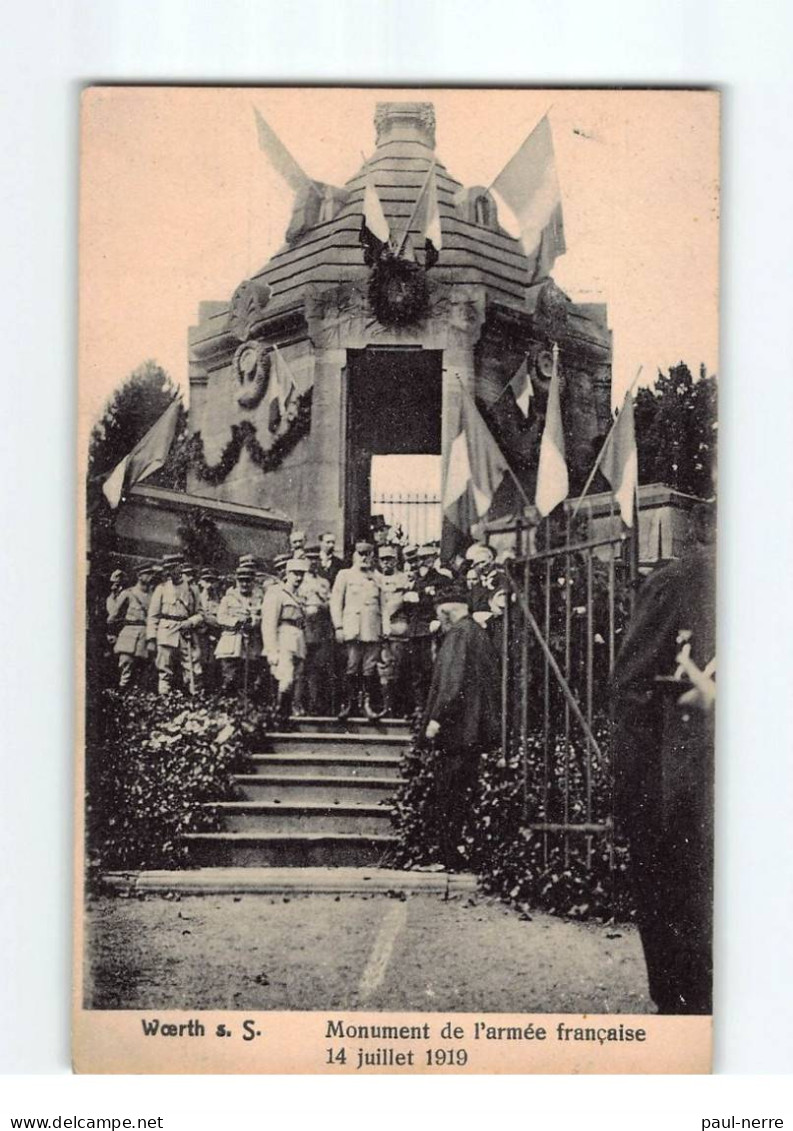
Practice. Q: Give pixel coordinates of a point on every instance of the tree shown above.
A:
(130, 413)
(676, 430)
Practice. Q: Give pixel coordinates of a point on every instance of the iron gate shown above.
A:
(570, 597)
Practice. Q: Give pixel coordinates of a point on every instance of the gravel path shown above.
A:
(318, 952)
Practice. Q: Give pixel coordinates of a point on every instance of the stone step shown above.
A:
(297, 790)
(318, 817)
(291, 881)
(360, 764)
(293, 742)
(326, 724)
(289, 850)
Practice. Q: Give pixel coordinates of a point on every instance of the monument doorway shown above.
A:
(394, 409)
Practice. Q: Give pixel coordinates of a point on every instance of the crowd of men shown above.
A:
(310, 633)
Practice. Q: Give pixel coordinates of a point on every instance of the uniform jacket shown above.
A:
(396, 616)
(423, 614)
(238, 618)
(314, 593)
(664, 751)
(283, 621)
(170, 606)
(132, 608)
(465, 694)
(356, 605)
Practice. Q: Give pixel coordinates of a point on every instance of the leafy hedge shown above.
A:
(151, 763)
(527, 869)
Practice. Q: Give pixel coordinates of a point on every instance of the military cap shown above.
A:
(426, 551)
(478, 553)
(297, 565)
(364, 548)
(280, 560)
(209, 575)
(142, 570)
(386, 551)
(409, 553)
(452, 593)
(117, 575)
(171, 560)
(246, 571)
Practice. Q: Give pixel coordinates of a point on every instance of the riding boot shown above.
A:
(371, 698)
(283, 710)
(349, 698)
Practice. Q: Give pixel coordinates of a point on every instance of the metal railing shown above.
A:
(418, 515)
(569, 600)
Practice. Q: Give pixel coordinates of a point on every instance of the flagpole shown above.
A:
(416, 208)
(602, 451)
(473, 403)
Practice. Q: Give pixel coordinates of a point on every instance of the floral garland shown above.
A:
(243, 435)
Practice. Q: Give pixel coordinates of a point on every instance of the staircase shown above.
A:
(317, 796)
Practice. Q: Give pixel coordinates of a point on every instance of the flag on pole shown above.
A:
(280, 158)
(521, 386)
(284, 386)
(552, 479)
(530, 203)
(375, 232)
(148, 456)
(620, 461)
(475, 469)
(427, 218)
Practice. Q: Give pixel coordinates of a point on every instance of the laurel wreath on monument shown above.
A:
(243, 435)
(398, 292)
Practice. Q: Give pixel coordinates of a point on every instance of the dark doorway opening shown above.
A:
(394, 407)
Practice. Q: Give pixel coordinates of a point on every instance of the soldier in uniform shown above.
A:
(130, 613)
(111, 608)
(356, 607)
(172, 619)
(428, 581)
(283, 635)
(209, 632)
(393, 667)
(239, 647)
(462, 715)
(315, 686)
(664, 694)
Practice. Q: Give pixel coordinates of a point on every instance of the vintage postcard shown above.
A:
(397, 675)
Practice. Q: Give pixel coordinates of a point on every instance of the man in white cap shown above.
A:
(130, 613)
(283, 635)
(356, 608)
(173, 616)
(239, 645)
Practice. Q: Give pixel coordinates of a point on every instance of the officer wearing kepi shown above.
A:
(283, 635)
(130, 613)
(239, 646)
(356, 608)
(173, 616)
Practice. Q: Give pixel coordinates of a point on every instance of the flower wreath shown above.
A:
(243, 435)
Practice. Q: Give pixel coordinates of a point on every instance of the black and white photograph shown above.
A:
(397, 647)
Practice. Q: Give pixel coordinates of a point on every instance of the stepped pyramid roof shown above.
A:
(473, 253)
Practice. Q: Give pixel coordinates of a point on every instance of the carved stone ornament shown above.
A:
(551, 311)
(398, 292)
(251, 367)
(247, 308)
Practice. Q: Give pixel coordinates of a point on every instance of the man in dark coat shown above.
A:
(462, 714)
(664, 705)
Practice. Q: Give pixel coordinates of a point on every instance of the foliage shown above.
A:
(151, 764)
(676, 431)
(201, 541)
(583, 878)
(243, 435)
(130, 413)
